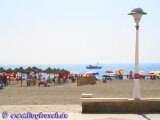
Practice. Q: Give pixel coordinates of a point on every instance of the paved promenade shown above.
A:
(73, 111)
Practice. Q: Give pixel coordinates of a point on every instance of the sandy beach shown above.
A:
(66, 98)
(70, 93)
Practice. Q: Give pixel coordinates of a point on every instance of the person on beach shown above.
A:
(1, 77)
(131, 73)
(73, 79)
(61, 78)
(104, 80)
(4, 79)
(1, 82)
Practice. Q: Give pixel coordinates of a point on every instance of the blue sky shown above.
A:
(77, 31)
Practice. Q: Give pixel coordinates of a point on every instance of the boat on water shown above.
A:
(93, 67)
(93, 73)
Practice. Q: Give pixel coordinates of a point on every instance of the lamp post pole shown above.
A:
(137, 14)
(136, 89)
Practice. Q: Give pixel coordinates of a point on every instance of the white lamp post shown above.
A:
(137, 14)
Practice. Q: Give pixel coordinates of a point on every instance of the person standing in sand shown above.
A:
(4, 79)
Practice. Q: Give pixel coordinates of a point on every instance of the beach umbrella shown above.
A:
(12, 75)
(9, 70)
(141, 73)
(127, 75)
(15, 70)
(89, 72)
(28, 70)
(21, 70)
(40, 70)
(157, 73)
(105, 76)
(54, 70)
(109, 75)
(74, 73)
(63, 71)
(120, 72)
(35, 69)
(2, 70)
(57, 71)
(151, 73)
(112, 74)
(65, 74)
(95, 73)
(49, 71)
(109, 71)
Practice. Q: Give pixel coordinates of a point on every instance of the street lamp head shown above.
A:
(137, 14)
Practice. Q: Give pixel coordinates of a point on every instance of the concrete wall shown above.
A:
(93, 105)
(87, 80)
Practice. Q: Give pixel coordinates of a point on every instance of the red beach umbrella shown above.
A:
(127, 75)
(109, 71)
(65, 74)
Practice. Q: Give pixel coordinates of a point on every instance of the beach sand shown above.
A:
(70, 93)
(66, 98)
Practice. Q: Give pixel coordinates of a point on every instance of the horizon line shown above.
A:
(73, 63)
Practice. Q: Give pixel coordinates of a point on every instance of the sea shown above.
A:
(81, 68)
